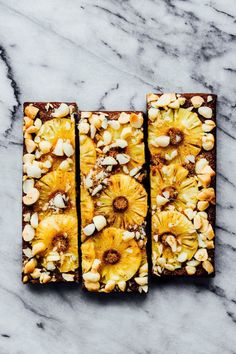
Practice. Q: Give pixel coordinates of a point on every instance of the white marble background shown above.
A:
(106, 55)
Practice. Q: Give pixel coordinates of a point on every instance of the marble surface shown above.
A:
(108, 54)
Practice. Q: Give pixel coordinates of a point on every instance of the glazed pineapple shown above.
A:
(175, 240)
(123, 202)
(57, 193)
(113, 202)
(175, 135)
(171, 187)
(50, 230)
(119, 259)
(56, 243)
(181, 141)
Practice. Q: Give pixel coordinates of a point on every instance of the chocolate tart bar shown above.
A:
(181, 140)
(50, 229)
(113, 202)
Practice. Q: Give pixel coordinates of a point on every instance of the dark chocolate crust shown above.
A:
(44, 115)
(211, 157)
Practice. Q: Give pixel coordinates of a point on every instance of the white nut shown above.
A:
(59, 201)
(96, 265)
(201, 255)
(91, 277)
(124, 118)
(99, 222)
(30, 145)
(165, 99)
(107, 137)
(110, 285)
(92, 286)
(122, 143)
(31, 111)
(28, 233)
(58, 150)
(160, 200)
(28, 158)
(38, 248)
(28, 184)
(200, 164)
(62, 111)
(34, 220)
(141, 280)
(208, 266)
(122, 285)
(68, 277)
(68, 149)
(136, 120)
(83, 128)
(31, 197)
(109, 160)
(30, 266)
(208, 141)
(123, 159)
(33, 171)
(197, 101)
(197, 222)
(45, 146)
(208, 126)
(206, 112)
(190, 270)
(114, 124)
(127, 236)
(89, 229)
(161, 141)
(153, 113)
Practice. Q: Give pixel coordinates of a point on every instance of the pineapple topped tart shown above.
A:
(175, 135)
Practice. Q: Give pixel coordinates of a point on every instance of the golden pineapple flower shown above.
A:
(57, 193)
(56, 236)
(173, 235)
(183, 133)
(123, 202)
(57, 128)
(53, 130)
(120, 260)
(135, 144)
(87, 154)
(171, 183)
(86, 207)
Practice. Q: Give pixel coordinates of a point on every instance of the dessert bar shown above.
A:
(181, 140)
(50, 229)
(113, 202)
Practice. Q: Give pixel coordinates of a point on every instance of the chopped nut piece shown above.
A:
(208, 141)
(208, 266)
(30, 266)
(30, 145)
(91, 277)
(136, 120)
(201, 255)
(190, 270)
(31, 197)
(89, 229)
(205, 111)
(197, 101)
(31, 111)
(38, 248)
(28, 233)
(99, 222)
(62, 111)
(124, 118)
